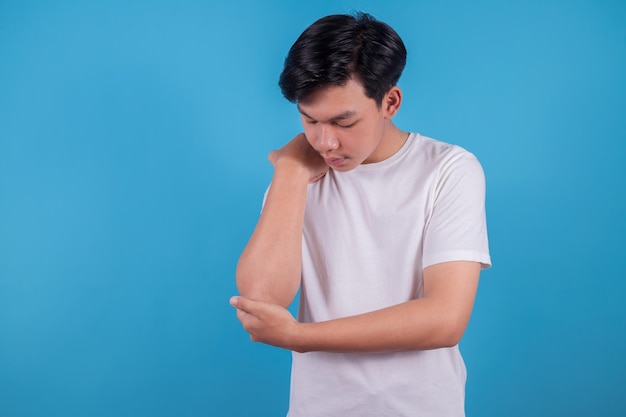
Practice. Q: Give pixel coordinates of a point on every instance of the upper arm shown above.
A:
(452, 286)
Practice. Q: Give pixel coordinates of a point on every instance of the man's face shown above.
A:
(345, 126)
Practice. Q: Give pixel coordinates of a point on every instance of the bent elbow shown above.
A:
(255, 285)
(451, 340)
(248, 284)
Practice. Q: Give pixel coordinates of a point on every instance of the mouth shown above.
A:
(335, 161)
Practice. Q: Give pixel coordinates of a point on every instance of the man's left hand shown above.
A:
(265, 322)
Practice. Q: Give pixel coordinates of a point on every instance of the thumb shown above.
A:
(241, 303)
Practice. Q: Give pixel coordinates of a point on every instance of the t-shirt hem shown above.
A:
(457, 255)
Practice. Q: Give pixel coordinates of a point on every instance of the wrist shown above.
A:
(300, 336)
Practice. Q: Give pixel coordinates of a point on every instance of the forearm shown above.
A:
(270, 266)
(437, 320)
(415, 325)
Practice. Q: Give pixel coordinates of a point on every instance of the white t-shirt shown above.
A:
(368, 235)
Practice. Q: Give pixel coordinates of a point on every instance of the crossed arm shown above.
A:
(268, 277)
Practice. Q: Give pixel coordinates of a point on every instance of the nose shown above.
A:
(326, 139)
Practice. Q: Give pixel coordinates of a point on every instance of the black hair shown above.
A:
(338, 47)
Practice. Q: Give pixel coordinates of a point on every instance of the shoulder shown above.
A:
(440, 156)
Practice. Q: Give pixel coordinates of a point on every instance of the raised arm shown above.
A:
(270, 265)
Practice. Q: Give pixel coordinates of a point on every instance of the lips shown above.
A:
(335, 162)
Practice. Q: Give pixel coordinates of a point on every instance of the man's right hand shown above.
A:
(298, 155)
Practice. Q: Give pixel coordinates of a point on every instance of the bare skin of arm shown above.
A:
(269, 267)
(437, 320)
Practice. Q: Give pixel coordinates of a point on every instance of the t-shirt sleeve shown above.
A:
(456, 229)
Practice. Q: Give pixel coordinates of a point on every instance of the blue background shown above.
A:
(133, 142)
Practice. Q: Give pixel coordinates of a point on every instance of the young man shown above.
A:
(383, 232)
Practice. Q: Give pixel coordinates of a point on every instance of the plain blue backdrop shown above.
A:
(133, 143)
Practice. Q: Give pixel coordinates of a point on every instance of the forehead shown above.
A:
(332, 100)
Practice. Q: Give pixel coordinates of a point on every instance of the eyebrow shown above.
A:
(342, 116)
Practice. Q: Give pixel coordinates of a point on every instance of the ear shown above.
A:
(391, 102)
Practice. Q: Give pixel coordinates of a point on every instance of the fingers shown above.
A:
(242, 303)
(318, 177)
(243, 317)
(245, 308)
(242, 314)
(247, 319)
(272, 157)
(265, 322)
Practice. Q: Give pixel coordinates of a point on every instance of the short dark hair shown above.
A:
(338, 47)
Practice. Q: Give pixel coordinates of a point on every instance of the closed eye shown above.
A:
(346, 126)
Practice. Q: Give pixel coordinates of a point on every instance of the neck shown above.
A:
(393, 139)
